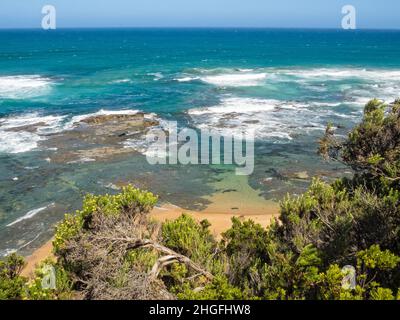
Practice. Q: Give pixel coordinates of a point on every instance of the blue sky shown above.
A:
(200, 13)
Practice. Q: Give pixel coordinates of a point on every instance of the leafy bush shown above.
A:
(186, 236)
(62, 290)
(11, 282)
(218, 289)
(130, 201)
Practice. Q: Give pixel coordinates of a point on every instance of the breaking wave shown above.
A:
(272, 120)
(30, 214)
(23, 86)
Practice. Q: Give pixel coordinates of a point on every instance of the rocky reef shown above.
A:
(99, 137)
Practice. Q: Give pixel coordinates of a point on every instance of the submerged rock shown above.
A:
(132, 120)
(119, 122)
(90, 155)
(99, 137)
(303, 175)
(27, 128)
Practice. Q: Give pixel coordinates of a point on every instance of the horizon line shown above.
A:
(204, 27)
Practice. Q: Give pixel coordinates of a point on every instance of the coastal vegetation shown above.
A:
(112, 249)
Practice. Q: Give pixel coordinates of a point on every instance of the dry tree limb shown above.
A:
(171, 256)
(162, 263)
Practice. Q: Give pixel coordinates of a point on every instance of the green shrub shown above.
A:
(187, 237)
(11, 282)
(62, 290)
(218, 289)
(130, 201)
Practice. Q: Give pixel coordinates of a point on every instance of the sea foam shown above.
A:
(268, 119)
(343, 73)
(23, 86)
(17, 137)
(236, 79)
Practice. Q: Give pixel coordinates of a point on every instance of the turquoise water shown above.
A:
(292, 82)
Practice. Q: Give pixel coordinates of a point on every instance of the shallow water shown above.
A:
(284, 84)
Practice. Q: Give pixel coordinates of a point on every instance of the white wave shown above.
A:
(252, 105)
(342, 73)
(381, 83)
(23, 86)
(30, 119)
(30, 241)
(326, 104)
(245, 70)
(30, 214)
(354, 86)
(157, 75)
(7, 252)
(121, 81)
(237, 105)
(217, 76)
(369, 83)
(274, 120)
(187, 79)
(14, 138)
(236, 79)
(18, 142)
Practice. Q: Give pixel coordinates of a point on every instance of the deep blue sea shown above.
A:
(284, 84)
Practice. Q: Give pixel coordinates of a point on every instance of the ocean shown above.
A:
(286, 84)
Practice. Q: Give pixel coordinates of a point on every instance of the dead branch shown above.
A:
(171, 255)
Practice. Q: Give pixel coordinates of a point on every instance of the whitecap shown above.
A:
(187, 79)
(18, 142)
(236, 79)
(342, 73)
(14, 138)
(271, 120)
(23, 86)
(382, 83)
(29, 119)
(157, 75)
(237, 105)
(121, 81)
(246, 70)
(30, 214)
